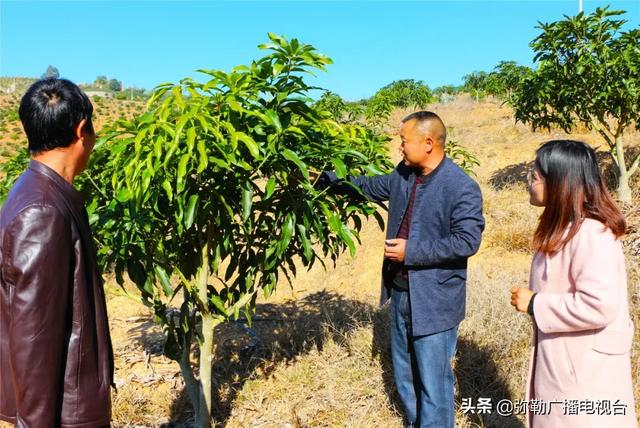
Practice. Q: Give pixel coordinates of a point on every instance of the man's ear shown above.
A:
(430, 143)
(81, 128)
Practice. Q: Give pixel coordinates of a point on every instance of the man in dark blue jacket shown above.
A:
(435, 223)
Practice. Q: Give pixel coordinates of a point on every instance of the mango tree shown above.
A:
(476, 84)
(207, 199)
(506, 78)
(341, 110)
(405, 93)
(588, 71)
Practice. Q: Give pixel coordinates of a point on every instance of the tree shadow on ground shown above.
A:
(510, 175)
(476, 375)
(382, 349)
(279, 332)
(148, 335)
(517, 173)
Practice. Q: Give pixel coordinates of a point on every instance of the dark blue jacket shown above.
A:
(445, 230)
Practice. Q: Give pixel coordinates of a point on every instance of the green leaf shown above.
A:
(334, 223)
(123, 195)
(306, 244)
(166, 185)
(286, 233)
(191, 139)
(291, 156)
(136, 272)
(182, 172)
(245, 298)
(274, 119)
(340, 168)
(190, 214)
(148, 286)
(247, 195)
(235, 106)
(347, 237)
(270, 187)
(373, 169)
(217, 302)
(203, 159)
(249, 143)
(162, 276)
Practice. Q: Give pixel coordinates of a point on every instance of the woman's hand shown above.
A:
(520, 298)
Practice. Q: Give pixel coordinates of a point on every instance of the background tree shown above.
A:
(506, 78)
(115, 85)
(475, 84)
(501, 82)
(333, 104)
(340, 110)
(213, 189)
(377, 111)
(405, 93)
(588, 71)
(446, 93)
(101, 81)
(51, 72)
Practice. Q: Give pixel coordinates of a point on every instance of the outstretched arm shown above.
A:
(376, 188)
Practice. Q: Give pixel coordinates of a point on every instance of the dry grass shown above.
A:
(510, 219)
(342, 383)
(147, 382)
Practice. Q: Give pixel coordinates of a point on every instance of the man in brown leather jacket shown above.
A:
(56, 361)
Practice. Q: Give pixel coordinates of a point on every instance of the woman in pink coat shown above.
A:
(580, 370)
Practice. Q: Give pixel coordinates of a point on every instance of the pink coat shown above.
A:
(583, 334)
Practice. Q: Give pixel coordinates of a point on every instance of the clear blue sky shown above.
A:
(144, 43)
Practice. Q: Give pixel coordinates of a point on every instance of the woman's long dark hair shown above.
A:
(574, 191)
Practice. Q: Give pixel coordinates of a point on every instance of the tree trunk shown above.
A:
(203, 416)
(206, 359)
(191, 384)
(203, 403)
(624, 191)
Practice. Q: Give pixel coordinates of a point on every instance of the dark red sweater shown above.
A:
(403, 233)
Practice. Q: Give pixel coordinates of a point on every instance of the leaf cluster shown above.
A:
(220, 174)
(588, 71)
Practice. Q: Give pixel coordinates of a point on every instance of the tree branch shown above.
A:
(620, 128)
(612, 153)
(606, 138)
(603, 129)
(634, 166)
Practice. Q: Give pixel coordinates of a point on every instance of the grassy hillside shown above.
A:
(317, 354)
(106, 110)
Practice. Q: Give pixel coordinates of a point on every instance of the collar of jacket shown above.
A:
(427, 178)
(434, 171)
(63, 185)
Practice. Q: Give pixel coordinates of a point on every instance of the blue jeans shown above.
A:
(422, 368)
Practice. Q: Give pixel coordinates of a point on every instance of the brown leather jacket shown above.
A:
(56, 361)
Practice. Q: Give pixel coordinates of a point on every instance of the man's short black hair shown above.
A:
(424, 117)
(50, 110)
